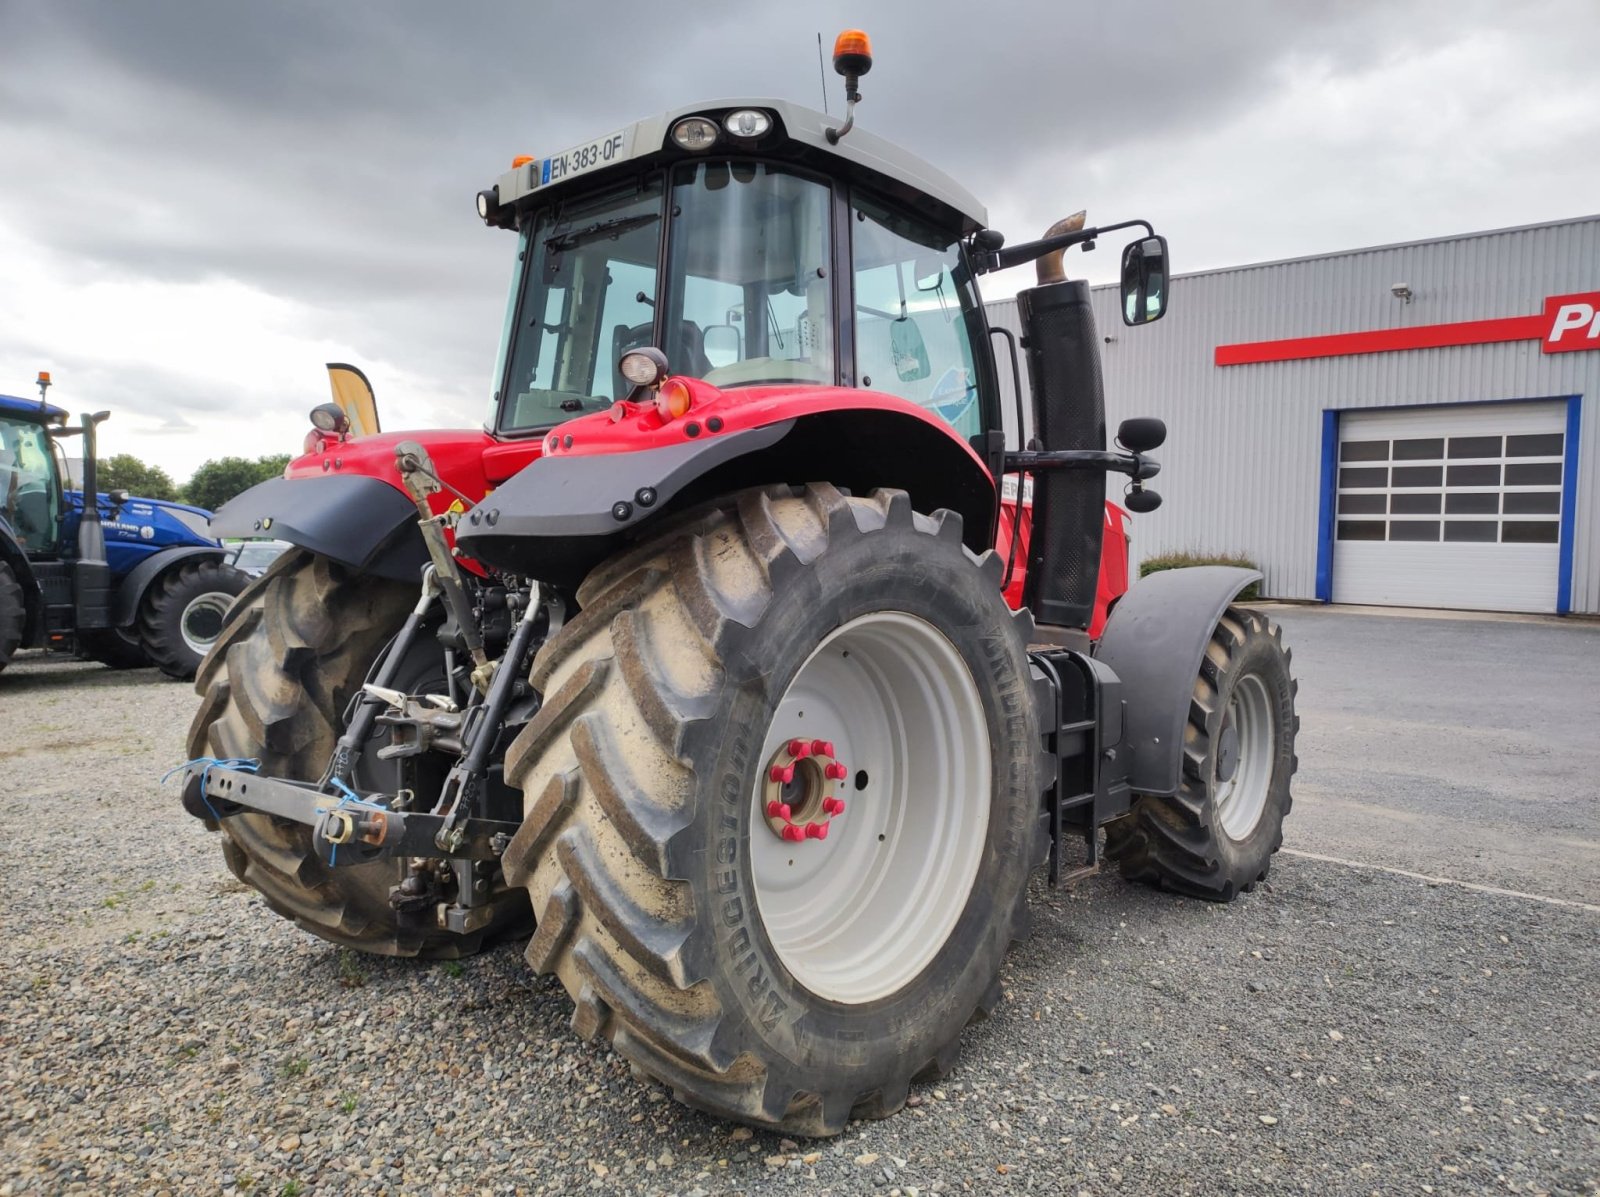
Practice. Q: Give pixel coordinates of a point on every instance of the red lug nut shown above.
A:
(833, 806)
(793, 834)
(778, 810)
(799, 749)
(782, 774)
(837, 771)
(822, 747)
(816, 831)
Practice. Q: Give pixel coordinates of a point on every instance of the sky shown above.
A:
(202, 203)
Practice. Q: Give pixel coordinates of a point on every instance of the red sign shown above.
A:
(1571, 322)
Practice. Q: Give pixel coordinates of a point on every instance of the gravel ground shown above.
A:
(1338, 1031)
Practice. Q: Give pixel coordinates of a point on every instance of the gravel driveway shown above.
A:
(1340, 1030)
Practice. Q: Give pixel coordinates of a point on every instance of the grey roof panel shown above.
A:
(804, 125)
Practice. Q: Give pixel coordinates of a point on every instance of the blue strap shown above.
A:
(242, 764)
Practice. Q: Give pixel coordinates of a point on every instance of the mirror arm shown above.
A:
(1135, 465)
(1003, 259)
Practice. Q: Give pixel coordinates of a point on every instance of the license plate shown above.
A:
(592, 155)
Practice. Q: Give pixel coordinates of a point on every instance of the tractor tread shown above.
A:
(296, 646)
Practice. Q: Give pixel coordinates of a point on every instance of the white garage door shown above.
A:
(1450, 507)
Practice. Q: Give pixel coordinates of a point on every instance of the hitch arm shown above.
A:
(371, 827)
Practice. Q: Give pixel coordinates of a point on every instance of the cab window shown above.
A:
(915, 315)
(28, 497)
(588, 280)
(749, 298)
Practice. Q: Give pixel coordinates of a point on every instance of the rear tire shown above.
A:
(295, 648)
(13, 614)
(1215, 837)
(646, 848)
(183, 611)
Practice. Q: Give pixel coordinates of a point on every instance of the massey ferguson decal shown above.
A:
(1571, 322)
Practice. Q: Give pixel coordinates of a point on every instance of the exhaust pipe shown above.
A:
(91, 573)
(1052, 267)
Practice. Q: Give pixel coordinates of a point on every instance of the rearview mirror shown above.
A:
(909, 350)
(928, 272)
(723, 345)
(1144, 280)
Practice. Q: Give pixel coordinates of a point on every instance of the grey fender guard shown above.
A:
(1154, 641)
(355, 519)
(130, 591)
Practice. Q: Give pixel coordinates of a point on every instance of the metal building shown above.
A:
(1412, 425)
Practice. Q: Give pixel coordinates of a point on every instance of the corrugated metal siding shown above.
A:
(1240, 470)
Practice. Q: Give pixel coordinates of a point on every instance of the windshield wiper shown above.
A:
(613, 228)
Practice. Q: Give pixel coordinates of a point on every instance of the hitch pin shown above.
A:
(340, 827)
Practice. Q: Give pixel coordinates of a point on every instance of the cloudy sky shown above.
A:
(204, 201)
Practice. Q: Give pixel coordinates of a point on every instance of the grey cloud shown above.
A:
(328, 153)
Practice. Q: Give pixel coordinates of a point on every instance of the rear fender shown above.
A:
(354, 519)
(563, 514)
(1154, 642)
(132, 588)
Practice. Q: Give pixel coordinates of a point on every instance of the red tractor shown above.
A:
(697, 659)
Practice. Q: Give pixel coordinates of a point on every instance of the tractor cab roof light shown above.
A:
(747, 124)
(695, 134)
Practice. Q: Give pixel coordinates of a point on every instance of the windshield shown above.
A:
(28, 498)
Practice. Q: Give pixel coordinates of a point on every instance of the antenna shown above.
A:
(821, 71)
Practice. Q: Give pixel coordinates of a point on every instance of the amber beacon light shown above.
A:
(852, 58)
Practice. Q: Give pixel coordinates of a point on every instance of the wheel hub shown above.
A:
(1227, 751)
(801, 796)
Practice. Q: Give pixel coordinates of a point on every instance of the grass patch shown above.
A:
(291, 1188)
(1155, 565)
(452, 968)
(350, 974)
(297, 1067)
(347, 1104)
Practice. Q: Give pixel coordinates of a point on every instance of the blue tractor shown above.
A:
(125, 581)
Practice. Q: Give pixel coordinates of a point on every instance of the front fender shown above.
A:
(131, 588)
(1154, 642)
(356, 520)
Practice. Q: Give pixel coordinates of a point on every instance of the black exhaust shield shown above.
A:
(1068, 413)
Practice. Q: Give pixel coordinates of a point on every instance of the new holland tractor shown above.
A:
(697, 657)
(125, 581)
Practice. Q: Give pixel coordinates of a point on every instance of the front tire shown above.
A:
(651, 856)
(1216, 836)
(13, 614)
(183, 613)
(295, 648)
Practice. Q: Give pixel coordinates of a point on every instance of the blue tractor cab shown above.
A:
(126, 581)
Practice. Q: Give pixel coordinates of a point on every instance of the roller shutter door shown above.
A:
(1450, 506)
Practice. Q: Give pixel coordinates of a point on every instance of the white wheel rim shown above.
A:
(1242, 798)
(857, 916)
(202, 620)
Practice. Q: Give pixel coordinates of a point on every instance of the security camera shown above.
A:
(1401, 291)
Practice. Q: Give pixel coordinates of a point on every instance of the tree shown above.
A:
(124, 471)
(218, 480)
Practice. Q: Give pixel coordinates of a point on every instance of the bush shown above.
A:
(1155, 565)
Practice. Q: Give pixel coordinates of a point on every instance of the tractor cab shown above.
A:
(736, 239)
(30, 474)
